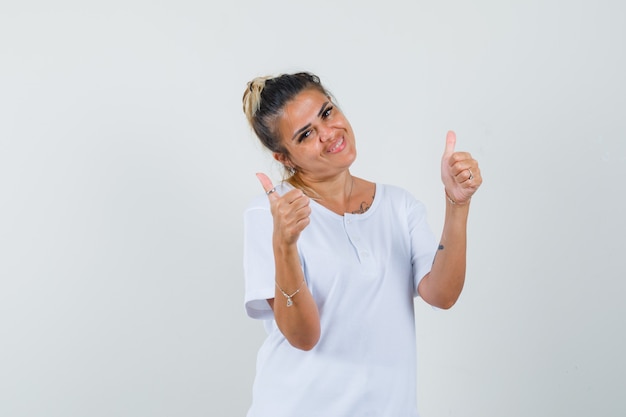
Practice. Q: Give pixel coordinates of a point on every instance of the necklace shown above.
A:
(349, 194)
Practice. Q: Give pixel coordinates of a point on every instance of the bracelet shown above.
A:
(454, 203)
(289, 300)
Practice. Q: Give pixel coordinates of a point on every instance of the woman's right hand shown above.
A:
(290, 212)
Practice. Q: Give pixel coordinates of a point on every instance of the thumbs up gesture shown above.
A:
(459, 172)
(290, 211)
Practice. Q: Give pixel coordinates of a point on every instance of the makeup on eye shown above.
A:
(302, 132)
(304, 135)
(324, 113)
(323, 108)
(326, 110)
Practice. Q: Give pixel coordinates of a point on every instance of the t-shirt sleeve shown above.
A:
(423, 242)
(258, 262)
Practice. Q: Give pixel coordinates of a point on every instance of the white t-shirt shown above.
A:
(363, 271)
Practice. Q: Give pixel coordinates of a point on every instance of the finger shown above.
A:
(450, 143)
(267, 185)
(464, 176)
(296, 195)
(293, 205)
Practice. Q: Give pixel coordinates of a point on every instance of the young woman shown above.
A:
(332, 262)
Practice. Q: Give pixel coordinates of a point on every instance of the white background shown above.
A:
(126, 162)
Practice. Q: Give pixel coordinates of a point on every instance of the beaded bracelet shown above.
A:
(289, 300)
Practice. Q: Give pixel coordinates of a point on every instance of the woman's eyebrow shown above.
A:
(302, 129)
(323, 108)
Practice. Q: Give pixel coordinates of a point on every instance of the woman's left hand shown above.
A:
(459, 172)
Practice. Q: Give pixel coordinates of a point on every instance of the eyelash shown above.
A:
(303, 136)
(324, 116)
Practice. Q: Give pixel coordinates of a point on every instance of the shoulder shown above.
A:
(258, 202)
(399, 200)
(394, 193)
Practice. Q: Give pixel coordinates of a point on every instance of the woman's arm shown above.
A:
(442, 286)
(461, 178)
(299, 319)
(297, 315)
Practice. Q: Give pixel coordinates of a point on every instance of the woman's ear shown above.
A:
(282, 158)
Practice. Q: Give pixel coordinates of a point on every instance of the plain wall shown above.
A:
(126, 163)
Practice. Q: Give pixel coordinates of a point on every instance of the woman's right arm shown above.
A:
(299, 320)
(297, 316)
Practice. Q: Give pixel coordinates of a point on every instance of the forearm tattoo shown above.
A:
(440, 248)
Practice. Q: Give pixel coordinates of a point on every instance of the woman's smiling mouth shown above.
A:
(337, 147)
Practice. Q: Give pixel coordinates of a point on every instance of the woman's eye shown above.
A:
(327, 112)
(304, 135)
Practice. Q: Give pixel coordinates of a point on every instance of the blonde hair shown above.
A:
(252, 96)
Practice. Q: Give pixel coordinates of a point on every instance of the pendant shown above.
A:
(289, 302)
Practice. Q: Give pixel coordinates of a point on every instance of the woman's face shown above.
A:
(318, 138)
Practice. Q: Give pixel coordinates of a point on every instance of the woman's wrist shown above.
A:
(454, 202)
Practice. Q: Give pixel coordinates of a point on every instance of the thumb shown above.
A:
(266, 182)
(450, 143)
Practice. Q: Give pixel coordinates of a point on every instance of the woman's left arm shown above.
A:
(461, 177)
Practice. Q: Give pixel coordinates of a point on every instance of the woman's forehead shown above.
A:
(307, 104)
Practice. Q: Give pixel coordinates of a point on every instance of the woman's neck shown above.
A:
(333, 193)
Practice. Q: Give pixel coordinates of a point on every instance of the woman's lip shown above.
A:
(337, 146)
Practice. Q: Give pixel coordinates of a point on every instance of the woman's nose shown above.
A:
(326, 134)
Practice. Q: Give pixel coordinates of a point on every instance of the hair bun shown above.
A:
(252, 96)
